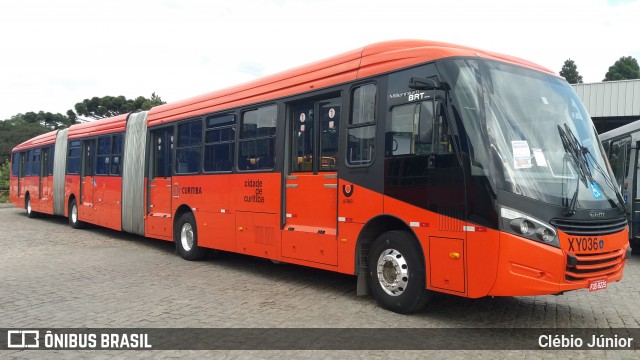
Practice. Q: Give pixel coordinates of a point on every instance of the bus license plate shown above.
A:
(597, 284)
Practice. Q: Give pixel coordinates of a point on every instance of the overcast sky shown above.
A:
(56, 53)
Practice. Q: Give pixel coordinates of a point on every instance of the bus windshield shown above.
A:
(531, 135)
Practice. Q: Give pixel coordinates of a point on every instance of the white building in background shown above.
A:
(611, 104)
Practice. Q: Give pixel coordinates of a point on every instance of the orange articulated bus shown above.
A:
(417, 166)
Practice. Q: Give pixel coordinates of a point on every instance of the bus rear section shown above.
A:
(31, 183)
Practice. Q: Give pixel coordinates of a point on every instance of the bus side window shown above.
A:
(15, 165)
(256, 150)
(116, 154)
(73, 157)
(23, 164)
(620, 156)
(412, 131)
(188, 149)
(362, 125)
(219, 143)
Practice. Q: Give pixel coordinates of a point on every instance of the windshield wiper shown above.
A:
(574, 149)
(581, 156)
(569, 206)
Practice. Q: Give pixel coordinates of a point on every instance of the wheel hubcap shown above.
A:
(29, 206)
(393, 272)
(186, 237)
(74, 213)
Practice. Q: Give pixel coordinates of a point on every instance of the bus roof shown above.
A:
(360, 63)
(356, 64)
(40, 140)
(98, 127)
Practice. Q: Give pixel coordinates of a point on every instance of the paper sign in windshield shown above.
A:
(540, 159)
(521, 154)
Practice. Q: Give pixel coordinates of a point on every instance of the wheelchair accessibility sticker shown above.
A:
(595, 190)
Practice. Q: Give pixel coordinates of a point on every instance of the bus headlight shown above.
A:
(528, 227)
(523, 226)
(545, 235)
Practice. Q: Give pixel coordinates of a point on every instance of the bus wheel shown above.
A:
(73, 215)
(186, 238)
(397, 273)
(27, 206)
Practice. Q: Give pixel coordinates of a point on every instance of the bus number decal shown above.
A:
(585, 244)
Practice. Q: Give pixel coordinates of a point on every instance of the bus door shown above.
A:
(311, 181)
(87, 182)
(446, 194)
(159, 222)
(22, 171)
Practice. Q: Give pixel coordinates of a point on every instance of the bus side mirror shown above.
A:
(420, 83)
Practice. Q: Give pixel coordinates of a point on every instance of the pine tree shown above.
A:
(570, 72)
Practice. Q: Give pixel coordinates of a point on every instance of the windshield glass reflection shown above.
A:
(538, 140)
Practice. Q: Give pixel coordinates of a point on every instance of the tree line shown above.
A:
(22, 127)
(625, 68)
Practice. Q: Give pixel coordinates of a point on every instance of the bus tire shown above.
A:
(186, 238)
(27, 205)
(74, 220)
(396, 273)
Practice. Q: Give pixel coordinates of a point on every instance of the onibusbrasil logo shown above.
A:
(37, 339)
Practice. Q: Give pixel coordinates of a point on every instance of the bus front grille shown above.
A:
(590, 227)
(592, 266)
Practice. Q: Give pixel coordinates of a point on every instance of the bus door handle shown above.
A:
(152, 186)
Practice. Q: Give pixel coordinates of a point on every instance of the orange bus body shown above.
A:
(317, 218)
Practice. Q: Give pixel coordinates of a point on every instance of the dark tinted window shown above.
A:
(363, 109)
(73, 157)
(619, 159)
(257, 144)
(188, 150)
(361, 133)
(410, 130)
(303, 137)
(259, 122)
(33, 162)
(23, 163)
(190, 134)
(162, 152)
(329, 125)
(218, 157)
(220, 140)
(103, 156)
(44, 158)
(116, 154)
(257, 154)
(28, 162)
(89, 152)
(15, 164)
